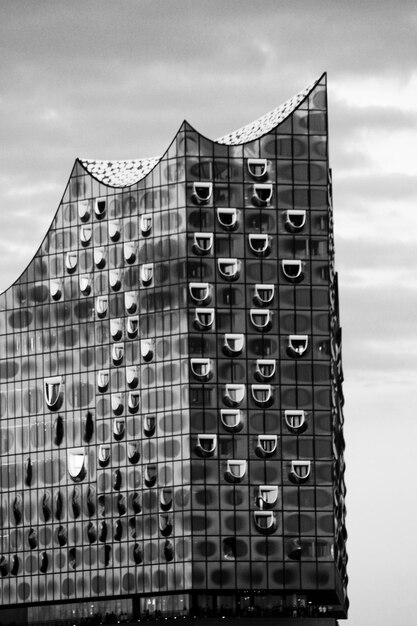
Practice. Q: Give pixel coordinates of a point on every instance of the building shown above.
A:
(170, 398)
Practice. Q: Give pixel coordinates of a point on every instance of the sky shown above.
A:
(101, 79)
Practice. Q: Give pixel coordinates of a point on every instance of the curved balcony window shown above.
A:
(294, 549)
(150, 475)
(62, 535)
(260, 244)
(133, 452)
(133, 401)
(119, 429)
(104, 455)
(99, 257)
(299, 471)
(295, 420)
(130, 301)
(228, 218)
(102, 531)
(100, 205)
(295, 220)
(91, 501)
(202, 192)
(257, 168)
(115, 279)
(28, 472)
(103, 380)
(132, 377)
(265, 521)
(147, 349)
(75, 502)
(266, 445)
(261, 319)
(129, 252)
(297, 345)
(83, 210)
(229, 548)
(4, 566)
(206, 445)
(231, 419)
(203, 319)
(203, 243)
(116, 329)
(54, 392)
(77, 462)
(132, 326)
(200, 292)
(267, 496)
(55, 288)
(234, 395)
(264, 294)
(85, 284)
(165, 525)
(202, 369)
(85, 234)
(101, 306)
(32, 539)
(235, 470)
(118, 530)
(59, 431)
(262, 194)
(146, 274)
(91, 532)
(71, 261)
(114, 230)
(117, 403)
(165, 499)
(149, 425)
(262, 395)
(265, 369)
(229, 269)
(145, 224)
(18, 506)
(14, 570)
(117, 352)
(233, 344)
(46, 507)
(137, 554)
(168, 551)
(293, 270)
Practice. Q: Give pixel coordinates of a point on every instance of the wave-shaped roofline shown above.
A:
(125, 173)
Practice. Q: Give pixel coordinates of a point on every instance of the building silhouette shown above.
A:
(170, 387)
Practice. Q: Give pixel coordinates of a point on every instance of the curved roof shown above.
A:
(126, 173)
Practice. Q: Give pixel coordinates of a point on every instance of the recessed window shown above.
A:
(54, 392)
(265, 521)
(235, 470)
(261, 319)
(129, 252)
(297, 345)
(85, 234)
(260, 244)
(116, 329)
(71, 262)
(133, 453)
(132, 326)
(168, 550)
(146, 274)
(206, 445)
(267, 496)
(146, 224)
(99, 257)
(234, 394)
(100, 205)
(266, 445)
(130, 301)
(147, 349)
(203, 243)
(265, 369)
(264, 294)
(118, 429)
(262, 194)
(295, 220)
(202, 369)
(77, 462)
(132, 378)
(150, 475)
(165, 499)
(203, 319)
(101, 306)
(295, 420)
(228, 218)
(84, 210)
(294, 549)
(85, 284)
(229, 269)
(229, 548)
(114, 230)
(202, 192)
(133, 401)
(257, 168)
(293, 270)
(262, 394)
(115, 279)
(233, 343)
(165, 525)
(299, 471)
(55, 289)
(116, 403)
(200, 292)
(117, 353)
(149, 425)
(104, 454)
(231, 419)
(102, 380)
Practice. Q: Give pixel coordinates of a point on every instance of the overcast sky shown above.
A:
(114, 79)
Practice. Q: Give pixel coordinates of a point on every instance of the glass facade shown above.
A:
(170, 398)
